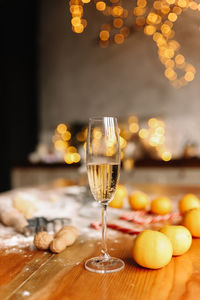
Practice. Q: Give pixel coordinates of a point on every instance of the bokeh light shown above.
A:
(156, 21)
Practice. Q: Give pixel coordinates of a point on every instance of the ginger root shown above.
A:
(42, 240)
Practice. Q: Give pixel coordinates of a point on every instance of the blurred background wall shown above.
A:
(79, 79)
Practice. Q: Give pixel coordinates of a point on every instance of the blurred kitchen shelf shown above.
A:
(147, 162)
(183, 162)
(184, 171)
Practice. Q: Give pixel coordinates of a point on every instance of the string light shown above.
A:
(118, 23)
(152, 136)
(61, 140)
(76, 10)
(157, 21)
(104, 35)
(119, 38)
(143, 133)
(100, 5)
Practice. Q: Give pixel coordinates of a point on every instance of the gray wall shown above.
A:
(78, 79)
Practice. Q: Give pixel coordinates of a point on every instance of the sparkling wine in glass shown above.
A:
(103, 168)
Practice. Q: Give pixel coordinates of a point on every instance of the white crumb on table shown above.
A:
(66, 203)
(26, 293)
(72, 202)
(10, 238)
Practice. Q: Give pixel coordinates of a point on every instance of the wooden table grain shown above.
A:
(39, 275)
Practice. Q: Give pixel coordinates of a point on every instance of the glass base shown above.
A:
(102, 265)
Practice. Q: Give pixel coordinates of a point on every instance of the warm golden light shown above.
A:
(125, 13)
(177, 10)
(122, 142)
(133, 127)
(179, 59)
(68, 158)
(169, 63)
(174, 45)
(66, 136)
(132, 119)
(76, 21)
(143, 133)
(166, 156)
(189, 76)
(128, 164)
(117, 11)
(158, 22)
(76, 157)
(78, 28)
(104, 35)
(80, 137)
(119, 38)
(156, 36)
(190, 68)
(60, 145)
(61, 128)
(193, 5)
(172, 17)
(84, 22)
(153, 18)
(154, 141)
(165, 29)
(141, 3)
(160, 130)
(170, 74)
(125, 31)
(182, 3)
(97, 134)
(71, 149)
(170, 1)
(118, 23)
(165, 9)
(100, 5)
(139, 11)
(149, 29)
(153, 122)
(76, 10)
(169, 53)
(157, 5)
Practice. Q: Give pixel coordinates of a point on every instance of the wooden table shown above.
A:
(38, 275)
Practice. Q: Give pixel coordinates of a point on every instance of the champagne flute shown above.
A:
(103, 168)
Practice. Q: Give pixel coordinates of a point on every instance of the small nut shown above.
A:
(68, 237)
(42, 240)
(57, 245)
(63, 239)
(67, 228)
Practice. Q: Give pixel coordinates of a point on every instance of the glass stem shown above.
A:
(104, 250)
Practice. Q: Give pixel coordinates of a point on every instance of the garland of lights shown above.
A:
(152, 136)
(157, 21)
